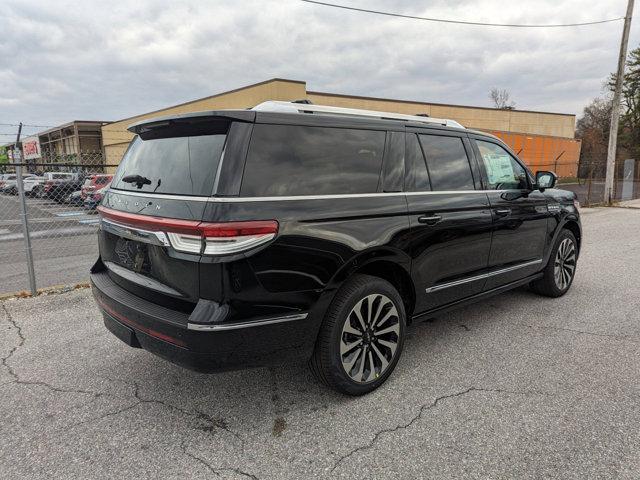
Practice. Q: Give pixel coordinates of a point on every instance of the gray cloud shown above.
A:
(110, 60)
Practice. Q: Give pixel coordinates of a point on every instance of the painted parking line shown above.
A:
(74, 213)
(51, 234)
(89, 221)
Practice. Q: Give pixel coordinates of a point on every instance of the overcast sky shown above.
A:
(106, 60)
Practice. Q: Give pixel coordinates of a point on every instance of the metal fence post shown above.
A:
(25, 227)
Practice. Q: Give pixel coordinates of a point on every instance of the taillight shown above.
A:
(234, 237)
(201, 237)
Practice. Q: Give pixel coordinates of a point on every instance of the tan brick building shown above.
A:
(541, 139)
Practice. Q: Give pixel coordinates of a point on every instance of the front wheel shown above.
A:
(560, 270)
(361, 337)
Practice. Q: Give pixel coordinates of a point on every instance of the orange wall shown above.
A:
(539, 152)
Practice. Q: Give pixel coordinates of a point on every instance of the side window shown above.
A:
(417, 176)
(393, 163)
(447, 162)
(294, 160)
(503, 171)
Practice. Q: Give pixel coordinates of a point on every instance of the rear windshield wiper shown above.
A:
(138, 180)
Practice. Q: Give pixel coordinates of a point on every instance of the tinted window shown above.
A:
(178, 165)
(293, 160)
(448, 164)
(394, 162)
(503, 171)
(417, 174)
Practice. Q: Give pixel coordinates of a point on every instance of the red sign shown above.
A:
(31, 148)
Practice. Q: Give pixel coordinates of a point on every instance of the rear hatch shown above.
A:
(148, 235)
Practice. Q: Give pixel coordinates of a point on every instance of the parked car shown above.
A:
(93, 198)
(95, 182)
(33, 186)
(59, 185)
(75, 199)
(319, 235)
(3, 177)
(9, 184)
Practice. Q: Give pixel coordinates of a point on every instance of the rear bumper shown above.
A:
(169, 334)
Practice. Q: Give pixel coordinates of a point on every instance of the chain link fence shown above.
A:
(48, 220)
(589, 184)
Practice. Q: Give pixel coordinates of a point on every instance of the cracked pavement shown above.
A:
(518, 386)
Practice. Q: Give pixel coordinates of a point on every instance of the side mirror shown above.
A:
(545, 179)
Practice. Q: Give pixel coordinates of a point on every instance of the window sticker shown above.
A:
(499, 168)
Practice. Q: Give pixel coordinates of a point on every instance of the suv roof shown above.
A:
(307, 114)
(290, 112)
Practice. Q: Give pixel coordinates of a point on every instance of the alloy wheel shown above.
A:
(369, 339)
(565, 264)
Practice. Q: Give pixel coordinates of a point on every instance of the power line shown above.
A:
(462, 22)
(26, 125)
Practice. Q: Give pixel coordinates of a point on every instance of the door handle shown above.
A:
(503, 212)
(430, 219)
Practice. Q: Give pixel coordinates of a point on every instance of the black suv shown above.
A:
(240, 238)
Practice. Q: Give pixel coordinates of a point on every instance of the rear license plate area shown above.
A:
(124, 333)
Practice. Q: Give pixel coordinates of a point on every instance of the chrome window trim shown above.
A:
(255, 323)
(483, 276)
(160, 195)
(297, 197)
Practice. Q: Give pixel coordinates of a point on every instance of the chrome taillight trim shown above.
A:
(230, 245)
(185, 243)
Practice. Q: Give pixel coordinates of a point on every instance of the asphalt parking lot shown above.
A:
(63, 240)
(516, 387)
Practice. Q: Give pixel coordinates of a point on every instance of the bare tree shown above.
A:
(501, 99)
(592, 129)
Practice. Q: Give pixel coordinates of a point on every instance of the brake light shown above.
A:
(200, 237)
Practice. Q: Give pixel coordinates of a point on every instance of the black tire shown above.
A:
(326, 362)
(549, 285)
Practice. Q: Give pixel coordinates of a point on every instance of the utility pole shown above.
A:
(18, 158)
(615, 108)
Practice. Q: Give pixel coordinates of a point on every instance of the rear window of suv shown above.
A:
(182, 165)
(297, 160)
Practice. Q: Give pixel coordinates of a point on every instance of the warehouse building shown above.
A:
(541, 139)
(78, 142)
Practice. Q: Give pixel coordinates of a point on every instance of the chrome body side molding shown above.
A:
(462, 281)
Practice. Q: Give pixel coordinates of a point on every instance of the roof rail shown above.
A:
(292, 107)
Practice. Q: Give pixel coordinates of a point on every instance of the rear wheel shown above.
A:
(361, 337)
(560, 270)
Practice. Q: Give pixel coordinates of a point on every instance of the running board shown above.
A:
(476, 298)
